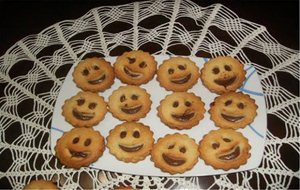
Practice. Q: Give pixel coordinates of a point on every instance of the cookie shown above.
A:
(178, 74)
(175, 153)
(40, 184)
(135, 67)
(233, 110)
(85, 109)
(224, 149)
(181, 110)
(94, 74)
(79, 147)
(223, 74)
(129, 103)
(130, 141)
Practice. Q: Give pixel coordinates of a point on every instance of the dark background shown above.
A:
(21, 18)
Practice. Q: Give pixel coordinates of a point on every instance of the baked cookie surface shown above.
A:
(85, 109)
(233, 110)
(181, 110)
(94, 74)
(41, 184)
(178, 74)
(175, 153)
(224, 149)
(135, 67)
(223, 74)
(79, 147)
(129, 103)
(130, 141)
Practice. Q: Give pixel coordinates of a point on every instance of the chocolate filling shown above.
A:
(83, 115)
(131, 73)
(134, 148)
(183, 117)
(132, 110)
(182, 80)
(78, 154)
(97, 81)
(225, 82)
(232, 118)
(173, 161)
(231, 155)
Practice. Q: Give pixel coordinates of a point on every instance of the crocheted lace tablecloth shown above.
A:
(33, 70)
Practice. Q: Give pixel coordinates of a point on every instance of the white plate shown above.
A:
(255, 132)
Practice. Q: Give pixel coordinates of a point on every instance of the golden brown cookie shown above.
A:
(129, 103)
(181, 110)
(233, 110)
(175, 153)
(178, 74)
(79, 147)
(224, 149)
(85, 109)
(135, 67)
(41, 184)
(130, 141)
(94, 74)
(223, 74)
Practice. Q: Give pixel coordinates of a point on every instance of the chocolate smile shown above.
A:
(184, 117)
(225, 82)
(232, 118)
(98, 80)
(132, 110)
(172, 161)
(83, 115)
(78, 154)
(131, 148)
(234, 153)
(182, 80)
(131, 73)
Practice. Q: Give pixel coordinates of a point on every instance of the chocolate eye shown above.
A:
(123, 134)
(171, 146)
(92, 106)
(80, 102)
(142, 64)
(181, 67)
(96, 67)
(216, 70)
(131, 60)
(136, 134)
(226, 140)
(182, 149)
(75, 140)
(227, 68)
(87, 142)
(170, 71)
(215, 145)
(188, 104)
(175, 104)
(85, 72)
(228, 102)
(241, 106)
(122, 98)
(134, 97)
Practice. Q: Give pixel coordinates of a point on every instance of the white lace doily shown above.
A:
(33, 70)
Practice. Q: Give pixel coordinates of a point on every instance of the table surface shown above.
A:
(281, 18)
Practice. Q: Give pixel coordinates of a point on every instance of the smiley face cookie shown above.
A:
(135, 67)
(94, 74)
(130, 141)
(178, 74)
(181, 110)
(85, 109)
(224, 149)
(129, 103)
(175, 153)
(223, 74)
(233, 110)
(79, 147)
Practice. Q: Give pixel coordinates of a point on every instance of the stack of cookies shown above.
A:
(132, 141)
